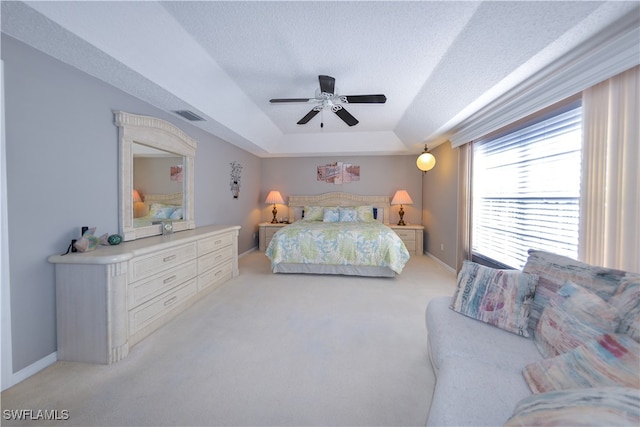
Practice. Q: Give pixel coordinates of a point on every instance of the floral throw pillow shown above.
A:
(574, 315)
(348, 214)
(501, 298)
(365, 213)
(313, 213)
(331, 215)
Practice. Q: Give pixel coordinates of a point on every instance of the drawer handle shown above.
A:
(170, 300)
(218, 273)
(218, 257)
(217, 242)
(169, 258)
(169, 279)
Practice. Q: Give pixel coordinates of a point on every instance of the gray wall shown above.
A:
(151, 175)
(62, 174)
(378, 176)
(440, 211)
(62, 165)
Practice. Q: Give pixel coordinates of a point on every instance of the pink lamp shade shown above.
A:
(273, 198)
(401, 198)
(136, 196)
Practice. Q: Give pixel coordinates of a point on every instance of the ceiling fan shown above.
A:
(326, 98)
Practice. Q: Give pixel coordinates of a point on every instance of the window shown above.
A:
(526, 189)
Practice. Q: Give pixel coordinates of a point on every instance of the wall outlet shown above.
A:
(253, 236)
(442, 246)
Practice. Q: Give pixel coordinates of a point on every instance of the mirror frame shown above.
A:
(164, 136)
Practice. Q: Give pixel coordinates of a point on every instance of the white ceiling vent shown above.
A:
(189, 115)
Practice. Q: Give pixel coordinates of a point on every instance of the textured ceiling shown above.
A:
(436, 61)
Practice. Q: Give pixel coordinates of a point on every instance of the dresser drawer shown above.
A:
(144, 290)
(145, 266)
(152, 310)
(208, 261)
(210, 244)
(216, 277)
(406, 235)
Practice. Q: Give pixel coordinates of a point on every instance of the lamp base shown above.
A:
(274, 212)
(401, 213)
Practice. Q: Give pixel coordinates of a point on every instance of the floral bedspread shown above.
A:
(338, 243)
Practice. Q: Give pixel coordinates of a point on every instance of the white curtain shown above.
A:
(465, 156)
(610, 205)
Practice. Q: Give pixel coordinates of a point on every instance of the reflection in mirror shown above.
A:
(157, 186)
(156, 176)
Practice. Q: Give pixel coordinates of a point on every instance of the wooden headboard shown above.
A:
(297, 203)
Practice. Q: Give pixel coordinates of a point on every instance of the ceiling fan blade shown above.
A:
(346, 117)
(276, 100)
(310, 115)
(366, 99)
(327, 84)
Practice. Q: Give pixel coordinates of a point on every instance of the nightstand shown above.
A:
(266, 232)
(411, 235)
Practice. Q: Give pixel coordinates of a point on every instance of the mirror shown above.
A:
(156, 176)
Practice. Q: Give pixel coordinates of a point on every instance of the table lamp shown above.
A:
(274, 198)
(401, 198)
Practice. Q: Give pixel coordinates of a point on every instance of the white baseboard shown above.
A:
(253, 249)
(32, 369)
(439, 261)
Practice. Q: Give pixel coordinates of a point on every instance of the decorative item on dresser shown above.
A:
(401, 198)
(274, 198)
(111, 298)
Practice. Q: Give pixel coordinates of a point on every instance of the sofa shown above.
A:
(557, 343)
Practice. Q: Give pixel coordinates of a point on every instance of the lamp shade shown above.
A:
(136, 196)
(425, 161)
(401, 198)
(273, 198)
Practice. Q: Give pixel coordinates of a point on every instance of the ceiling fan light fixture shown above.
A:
(327, 99)
(425, 161)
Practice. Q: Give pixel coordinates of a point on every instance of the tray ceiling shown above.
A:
(438, 62)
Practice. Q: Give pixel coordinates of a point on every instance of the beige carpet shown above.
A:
(264, 349)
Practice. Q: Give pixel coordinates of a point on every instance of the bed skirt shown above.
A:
(347, 270)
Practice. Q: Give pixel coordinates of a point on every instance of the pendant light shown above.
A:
(426, 161)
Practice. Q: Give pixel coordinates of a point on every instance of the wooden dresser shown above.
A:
(111, 298)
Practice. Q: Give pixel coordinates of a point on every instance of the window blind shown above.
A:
(526, 189)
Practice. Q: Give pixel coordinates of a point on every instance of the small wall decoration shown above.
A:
(236, 170)
(176, 173)
(338, 173)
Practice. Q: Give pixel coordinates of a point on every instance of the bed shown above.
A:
(158, 207)
(338, 233)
